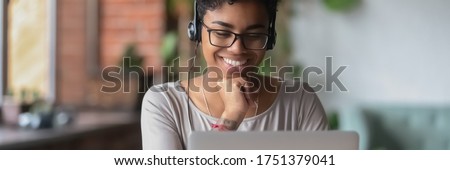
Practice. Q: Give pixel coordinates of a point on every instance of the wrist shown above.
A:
(224, 124)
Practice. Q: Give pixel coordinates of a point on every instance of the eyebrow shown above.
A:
(251, 27)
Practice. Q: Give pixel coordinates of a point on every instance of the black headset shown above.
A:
(194, 27)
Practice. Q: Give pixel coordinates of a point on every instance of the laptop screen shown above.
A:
(279, 140)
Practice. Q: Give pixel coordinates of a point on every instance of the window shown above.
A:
(28, 53)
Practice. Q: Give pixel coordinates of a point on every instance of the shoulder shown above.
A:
(164, 93)
(299, 94)
(288, 89)
(289, 86)
(161, 101)
(165, 87)
(302, 96)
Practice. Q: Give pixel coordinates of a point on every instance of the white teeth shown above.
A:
(233, 62)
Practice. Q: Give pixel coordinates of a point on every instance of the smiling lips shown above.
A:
(234, 63)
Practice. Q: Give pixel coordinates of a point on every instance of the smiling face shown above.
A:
(242, 17)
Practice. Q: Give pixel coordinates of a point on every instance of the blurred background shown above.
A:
(59, 55)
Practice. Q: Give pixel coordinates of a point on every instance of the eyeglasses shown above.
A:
(225, 39)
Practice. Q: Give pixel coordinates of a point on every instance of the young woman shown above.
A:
(234, 36)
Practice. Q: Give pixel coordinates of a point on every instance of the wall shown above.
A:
(71, 61)
(131, 21)
(396, 50)
(120, 22)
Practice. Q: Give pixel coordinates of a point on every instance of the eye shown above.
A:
(222, 34)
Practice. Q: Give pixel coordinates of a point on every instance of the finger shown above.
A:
(249, 99)
(228, 85)
(251, 88)
(239, 84)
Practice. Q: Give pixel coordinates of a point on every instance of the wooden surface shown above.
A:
(90, 130)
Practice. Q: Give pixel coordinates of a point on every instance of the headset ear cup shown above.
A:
(191, 31)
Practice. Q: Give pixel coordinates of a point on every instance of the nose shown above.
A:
(237, 47)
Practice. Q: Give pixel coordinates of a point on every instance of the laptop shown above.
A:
(279, 140)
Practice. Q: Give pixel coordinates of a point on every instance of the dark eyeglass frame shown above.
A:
(236, 36)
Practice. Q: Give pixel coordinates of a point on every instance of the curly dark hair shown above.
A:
(204, 5)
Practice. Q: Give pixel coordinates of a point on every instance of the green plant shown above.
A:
(169, 53)
(333, 120)
(169, 47)
(131, 60)
(341, 5)
(41, 107)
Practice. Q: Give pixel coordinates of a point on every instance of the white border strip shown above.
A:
(223, 159)
(52, 11)
(2, 46)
